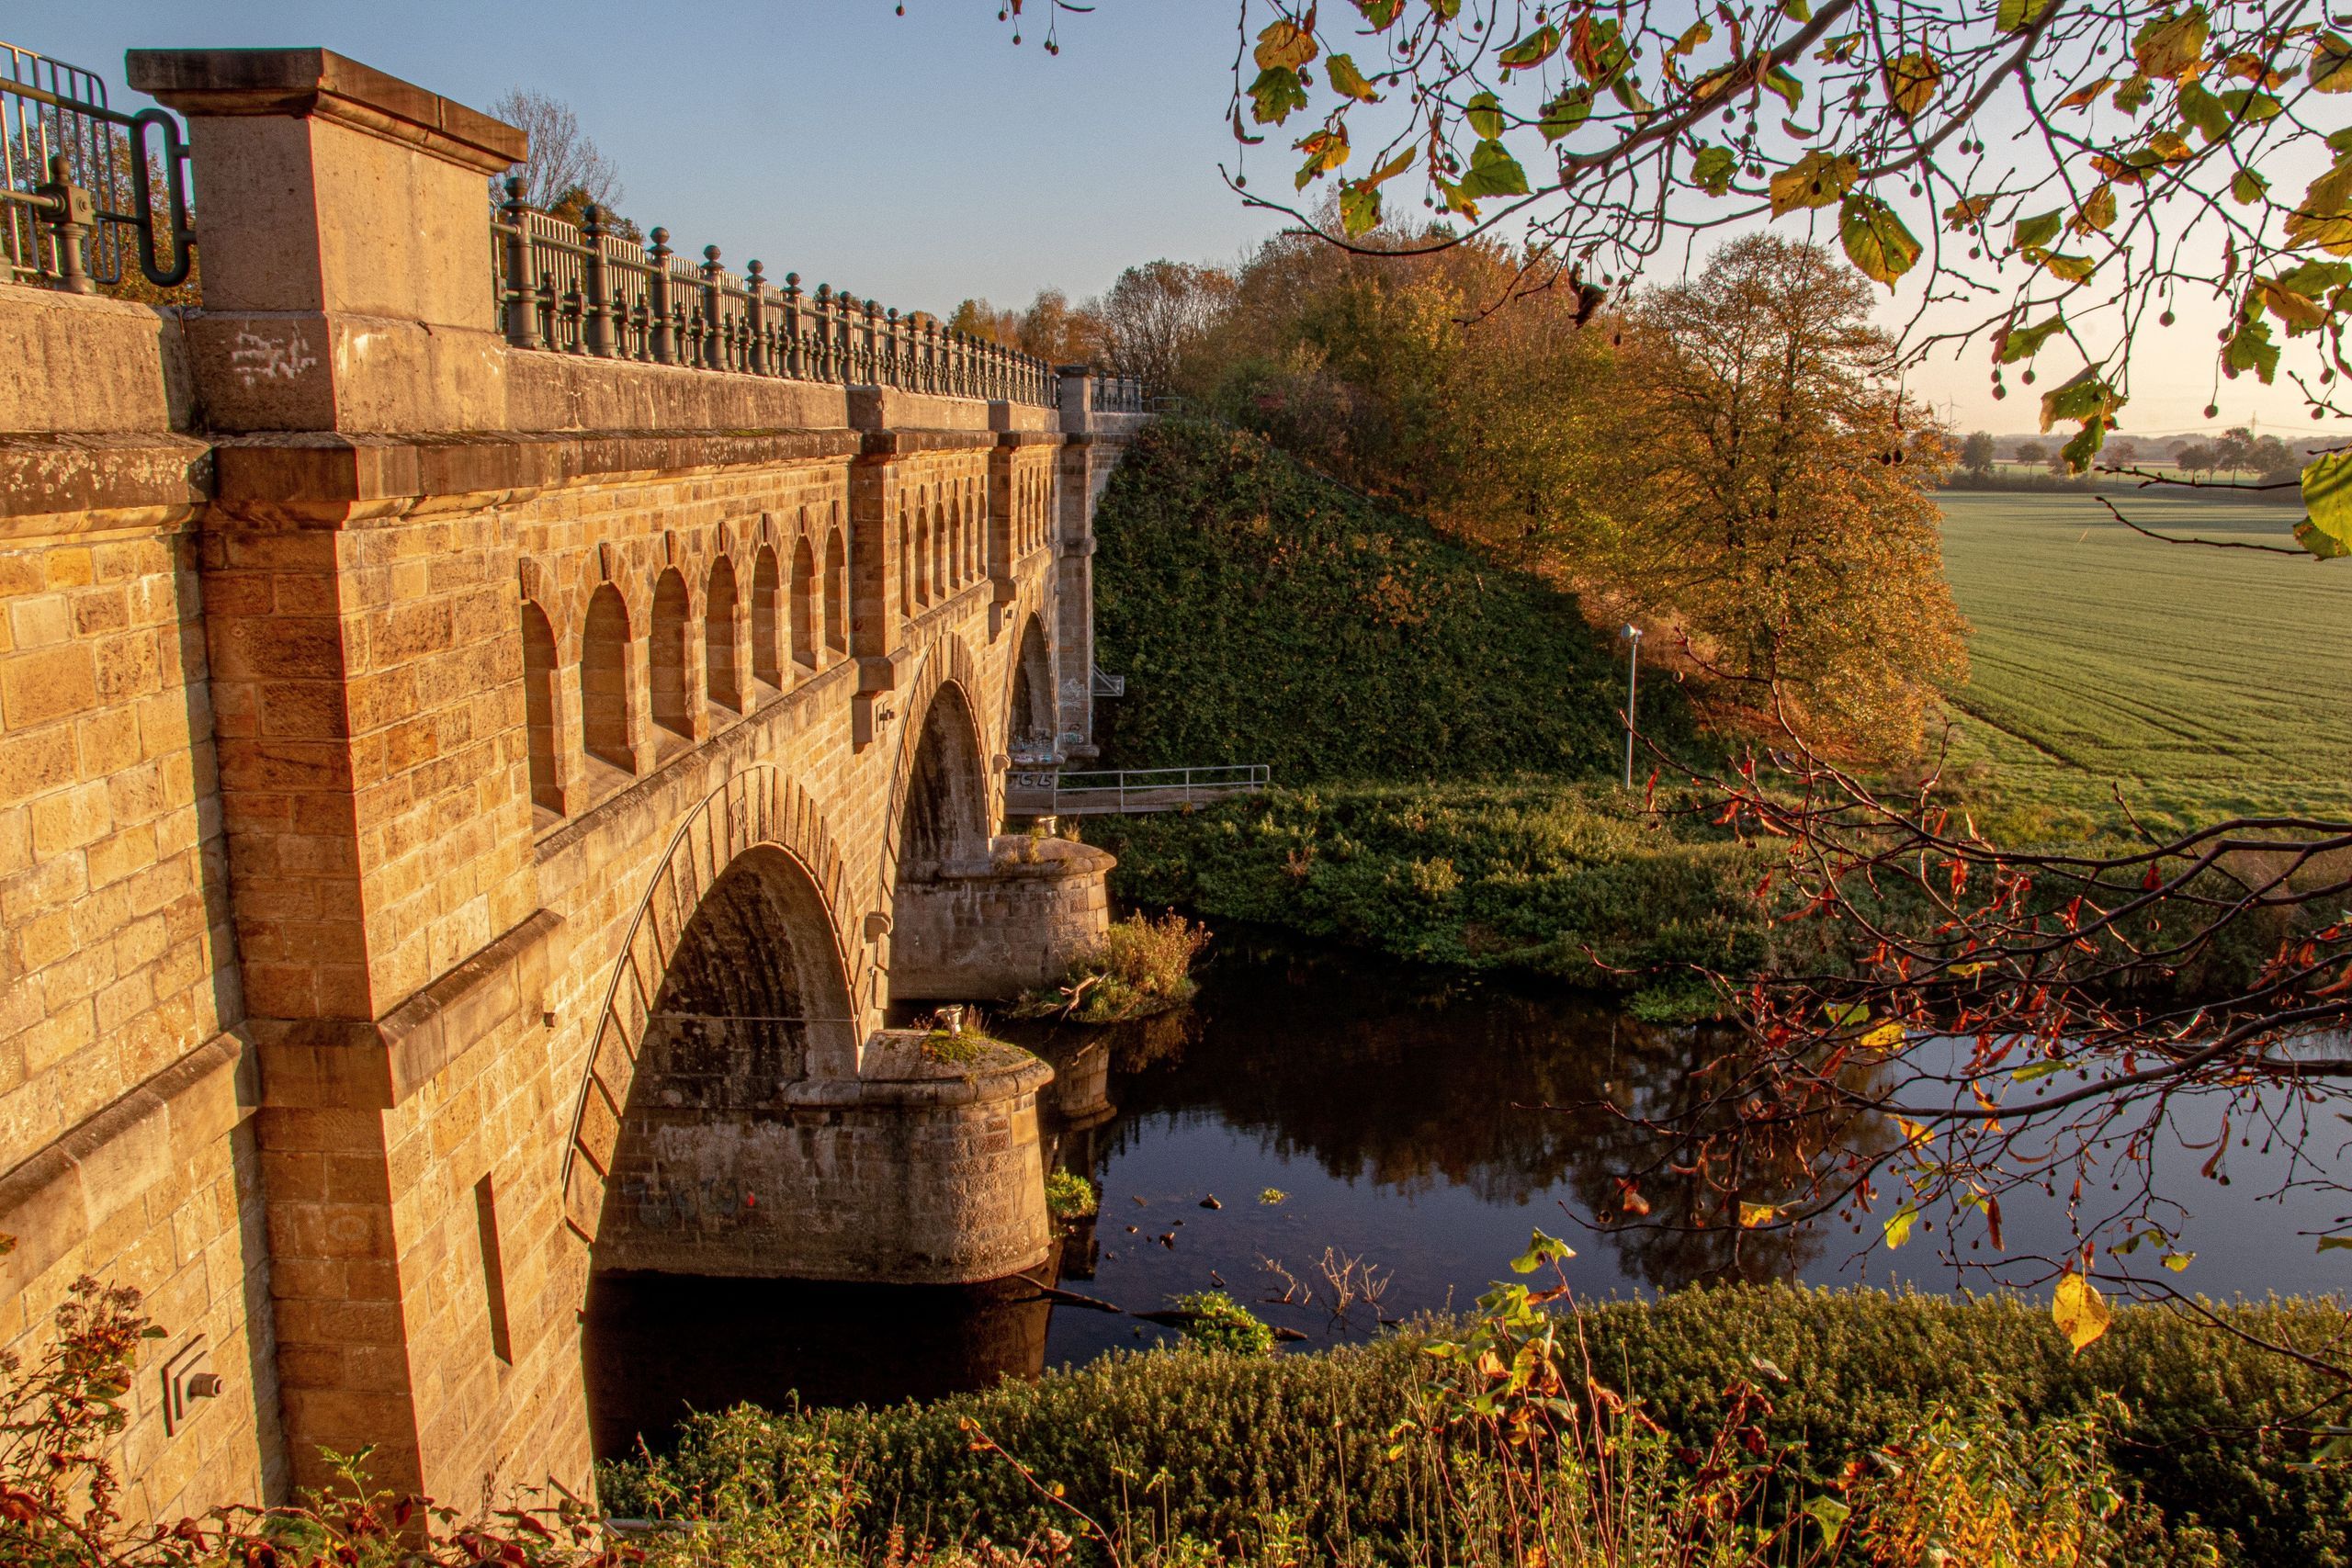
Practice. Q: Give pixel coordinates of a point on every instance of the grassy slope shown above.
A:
(1263, 615)
(2205, 682)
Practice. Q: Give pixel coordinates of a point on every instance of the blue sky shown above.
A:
(917, 160)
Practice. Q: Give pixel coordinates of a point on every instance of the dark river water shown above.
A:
(1401, 1115)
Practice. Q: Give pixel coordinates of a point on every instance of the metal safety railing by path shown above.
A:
(588, 288)
(1132, 789)
(1119, 394)
(86, 190)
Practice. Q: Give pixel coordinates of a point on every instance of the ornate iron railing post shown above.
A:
(795, 360)
(873, 353)
(664, 345)
(713, 351)
(596, 327)
(893, 371)
(758, 362)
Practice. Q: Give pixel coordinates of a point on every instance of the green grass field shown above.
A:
(2205, 682)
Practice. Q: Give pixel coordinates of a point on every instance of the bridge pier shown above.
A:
(991, 932)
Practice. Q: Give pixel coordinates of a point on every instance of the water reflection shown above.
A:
(1410, 1120)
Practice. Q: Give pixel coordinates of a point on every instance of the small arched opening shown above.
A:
(836, 593)
(767, 625)
(1031, 722)
(944, 819)
(540, 707)
(719, 636)
(603, 681)
(906, 562)
(804, 604)
(667, 658)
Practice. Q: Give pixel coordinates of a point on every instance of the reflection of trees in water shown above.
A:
(1415, 1084)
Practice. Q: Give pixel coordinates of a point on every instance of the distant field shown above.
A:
(2208, 682)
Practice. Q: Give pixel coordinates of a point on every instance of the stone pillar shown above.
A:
(363, 618)
(1074, 561)
(877, 627)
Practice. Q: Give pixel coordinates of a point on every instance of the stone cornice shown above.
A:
(319, 83)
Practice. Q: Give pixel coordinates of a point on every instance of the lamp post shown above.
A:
(1633, 634)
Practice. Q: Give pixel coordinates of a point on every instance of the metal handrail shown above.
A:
(76, 174)
(588, 290)
(1150, 785)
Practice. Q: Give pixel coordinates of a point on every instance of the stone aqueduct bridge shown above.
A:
(465, 808)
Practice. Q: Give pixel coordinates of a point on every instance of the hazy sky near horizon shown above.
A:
(920, 159)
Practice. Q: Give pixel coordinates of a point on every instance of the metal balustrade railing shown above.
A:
(85, 189)
(1043, 791)
(586, 289)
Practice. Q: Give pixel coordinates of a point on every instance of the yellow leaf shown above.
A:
(1885, 1034)
(1911, 82)
(1348, 82)
(1752, 1216)
(2079, 1311)
(1898, 1226)
(1914, 1134)
(2098, 211)
(1283, 46)
(1814, 180)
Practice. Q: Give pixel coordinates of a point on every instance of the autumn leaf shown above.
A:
(1274, 94)
(2098, 210)
(1283, 46)
(1348, 82)
(2036, 230)
(2013, 343)
(1885, 1035)
(1967, 212)
(2251, 348)
(1898, 1228)
(1755, 1215)
(1484, 113)
(1692, 36)
(1814, 180)
(2331, 64)
(1359, 207)
(2247, 188)
(2079, 1311)
(2169, 47)
(1911, 82)
(1875, 239)
(2074, 269)
(2085, 396)
(1325, 150)
(2016, 16)
(1531, 51)
(2320, 218)
(2327, 496)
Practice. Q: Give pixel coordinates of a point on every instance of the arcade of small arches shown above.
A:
(643, 673)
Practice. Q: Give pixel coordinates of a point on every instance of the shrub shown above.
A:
(1070, 1196)
(1214, 1321)
(1139, 967)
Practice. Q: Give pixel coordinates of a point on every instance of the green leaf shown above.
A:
(2084, 445)
(2134, 94)
(2083, 396)
(1898, 1224)
(1797, 11)
(1484, 114)
(1540, 1249)
(2251, 106)
(2248, 187)
(1712, 169)
(1875, 239)
(2251, 349)
(2016, 16)
(1359, 207)
(2074, 269)
(2204, 111)
(1348, 82)
(1567, 112)
(2036, 1069)
(2327, 496)
(1493, 171)
(2331, 64)
(2170, 46)
(1274, 94)
(1381, 13)
(1531, 51)
(1829, 1513)
(1779, 79)
(2037, 231)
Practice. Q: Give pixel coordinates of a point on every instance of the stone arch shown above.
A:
(906, 562)
(803, 603)
(668, 656)
(972, 537)
(955, 503)
(1030, 723)
(925, 520)
(969, 808)
(767, 593)
(604, 679)
(757, 812)
(720, 610)
(540, 674)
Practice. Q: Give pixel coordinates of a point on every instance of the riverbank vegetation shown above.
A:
(1140, 966)
(1343, 1456)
